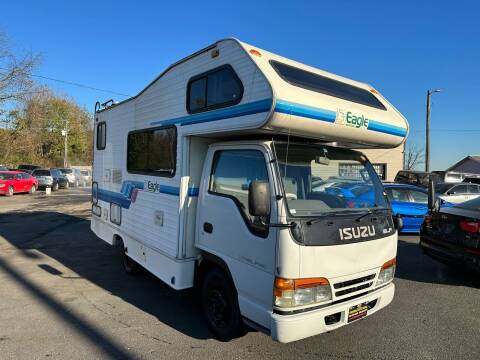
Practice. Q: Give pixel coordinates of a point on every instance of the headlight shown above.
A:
(298, 292)
(387, 272)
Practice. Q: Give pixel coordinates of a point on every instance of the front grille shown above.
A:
(353, 281)
(354, 289)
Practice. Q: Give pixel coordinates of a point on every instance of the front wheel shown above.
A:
(32, 189)
(9, 191)
(220, 305)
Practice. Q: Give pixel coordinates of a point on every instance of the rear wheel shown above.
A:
(33, 189)
(220, 305)
(55, 187)
(9, 191)
(129, 265)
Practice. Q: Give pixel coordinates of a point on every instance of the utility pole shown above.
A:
(65, 152)
(427, 131)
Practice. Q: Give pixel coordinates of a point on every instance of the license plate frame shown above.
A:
(357, 312)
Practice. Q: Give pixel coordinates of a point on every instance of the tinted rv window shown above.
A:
(101, 136)
(325, 85)
(217, 88)
(152, 151)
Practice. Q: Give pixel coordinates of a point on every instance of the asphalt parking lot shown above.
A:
(64, 295)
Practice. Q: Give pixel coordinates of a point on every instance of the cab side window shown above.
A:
(232, 173)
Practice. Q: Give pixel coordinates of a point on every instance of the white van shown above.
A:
(205, 179)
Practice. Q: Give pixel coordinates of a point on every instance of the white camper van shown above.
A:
(234, 172)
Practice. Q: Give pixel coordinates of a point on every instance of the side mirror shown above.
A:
(431, 194)
(259, 198)
(398, 222)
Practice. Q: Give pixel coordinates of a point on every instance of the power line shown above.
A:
(74, 84)
(447, 130)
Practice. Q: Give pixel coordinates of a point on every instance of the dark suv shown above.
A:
(419, 178)
(51, 178)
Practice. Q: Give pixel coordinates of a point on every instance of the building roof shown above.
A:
(475, 158)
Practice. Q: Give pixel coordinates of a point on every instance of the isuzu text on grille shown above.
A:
(356, 232)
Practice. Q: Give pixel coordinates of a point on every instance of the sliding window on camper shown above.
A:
(152, 151)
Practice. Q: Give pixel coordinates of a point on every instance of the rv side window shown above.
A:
(152, 151)
(325, 85)
(217, 88)
(101, 135)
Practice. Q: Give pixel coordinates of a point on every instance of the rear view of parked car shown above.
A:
(48, 178)
(12, 182)
(452, 234)
(457, 193)
(419, 178)
(61, 179)
(74, 176)
(87, 177)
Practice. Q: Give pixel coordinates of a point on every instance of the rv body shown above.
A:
(175, 169)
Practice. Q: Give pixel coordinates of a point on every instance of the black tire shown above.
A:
(220, 305)
(10, 191)
(32, 189)
(129, 265)
(55, 187)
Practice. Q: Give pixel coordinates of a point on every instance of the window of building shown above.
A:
(217, 88)
(152, 151)
(325, 85)
(101, 135)
(354, 170)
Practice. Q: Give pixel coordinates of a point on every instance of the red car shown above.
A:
(16, 182)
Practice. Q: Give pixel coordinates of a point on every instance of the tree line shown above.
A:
(33, 119)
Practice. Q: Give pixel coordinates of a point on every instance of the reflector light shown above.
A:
(255, 52)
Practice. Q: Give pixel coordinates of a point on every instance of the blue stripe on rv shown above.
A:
(287, 107)
(281, 106)
(123, 198)
(374, 125)
(214, 115)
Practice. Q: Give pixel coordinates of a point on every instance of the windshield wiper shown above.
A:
(369, 212)
(337, 214)
(323, 216)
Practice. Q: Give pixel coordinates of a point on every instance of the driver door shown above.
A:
(225, 227)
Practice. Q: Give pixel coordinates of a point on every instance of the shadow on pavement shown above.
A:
(69, 240)
(414, 265)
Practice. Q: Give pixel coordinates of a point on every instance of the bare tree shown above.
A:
(15, 72)
(413, 157)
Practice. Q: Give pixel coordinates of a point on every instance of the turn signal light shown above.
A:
(389, 263)
(298, 292)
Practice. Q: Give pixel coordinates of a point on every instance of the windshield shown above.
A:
(320, 179)
(66, 171)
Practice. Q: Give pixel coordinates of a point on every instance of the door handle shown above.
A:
(207, 227)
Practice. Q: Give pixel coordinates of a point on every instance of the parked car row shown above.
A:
(29, 178)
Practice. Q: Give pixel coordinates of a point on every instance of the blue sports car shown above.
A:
(410, 202)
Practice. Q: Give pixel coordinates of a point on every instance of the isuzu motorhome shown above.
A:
(234, 171)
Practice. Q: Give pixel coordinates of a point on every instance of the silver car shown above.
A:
(457, 193)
